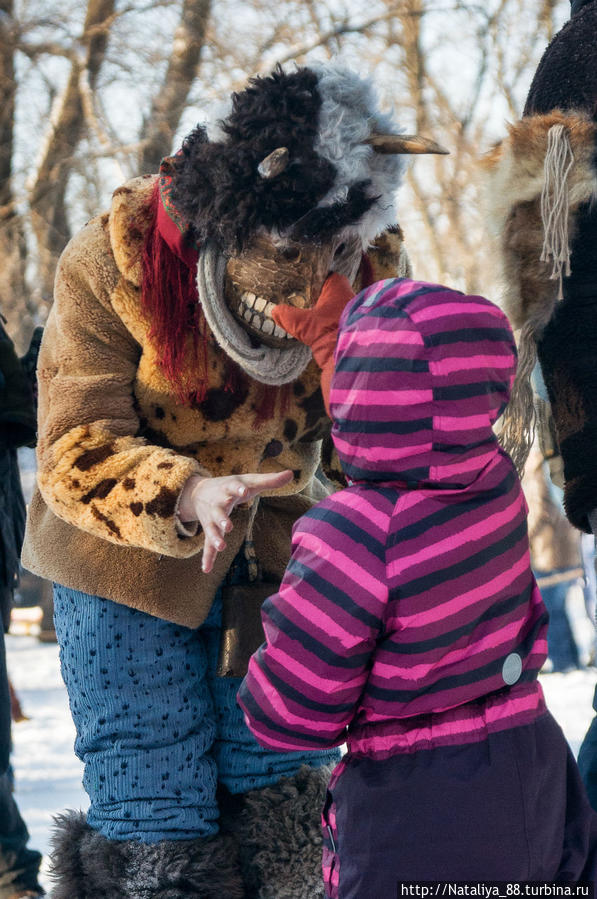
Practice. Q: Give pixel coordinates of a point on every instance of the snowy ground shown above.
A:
(48, 775)
(47, 772)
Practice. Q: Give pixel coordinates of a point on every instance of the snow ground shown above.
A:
(48, 774)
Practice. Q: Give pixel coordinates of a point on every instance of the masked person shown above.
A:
(542, 182)
(19, 865)
(180, 435)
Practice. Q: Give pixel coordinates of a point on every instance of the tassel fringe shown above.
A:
(555, 203)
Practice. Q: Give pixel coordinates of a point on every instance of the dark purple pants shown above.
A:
(511, 808)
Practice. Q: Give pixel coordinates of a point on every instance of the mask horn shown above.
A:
(274, 164)
(403, 143)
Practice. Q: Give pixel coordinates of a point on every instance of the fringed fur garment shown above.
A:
(537, 180)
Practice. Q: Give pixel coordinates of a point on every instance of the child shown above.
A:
(408, 624)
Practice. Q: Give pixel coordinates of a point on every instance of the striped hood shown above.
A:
(408, 618)
(422, 374)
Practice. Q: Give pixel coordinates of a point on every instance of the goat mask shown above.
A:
(296, 182)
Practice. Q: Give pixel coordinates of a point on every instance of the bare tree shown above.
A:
(49, 216)
(159, 126)
(451, 69)
(111, 88)
(14, 300)
(75, 133)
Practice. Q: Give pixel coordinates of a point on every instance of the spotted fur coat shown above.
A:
(115, 447)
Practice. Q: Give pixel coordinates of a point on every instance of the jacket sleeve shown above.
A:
(94, 470)
(17, 411)
(303, 686)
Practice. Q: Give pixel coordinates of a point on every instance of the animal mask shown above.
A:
(297, 180)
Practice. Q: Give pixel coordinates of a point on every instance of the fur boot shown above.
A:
(86, 865)
(278, 832)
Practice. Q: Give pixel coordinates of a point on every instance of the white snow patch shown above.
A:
(47, 772)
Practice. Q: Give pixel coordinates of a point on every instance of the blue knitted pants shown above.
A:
(156, 729)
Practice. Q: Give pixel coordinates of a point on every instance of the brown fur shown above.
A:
(115, 447)
(388, 258)
(514, 176)
(278, 832)
(513, 173)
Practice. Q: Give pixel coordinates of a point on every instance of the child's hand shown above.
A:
(210, 501)
(318, 327)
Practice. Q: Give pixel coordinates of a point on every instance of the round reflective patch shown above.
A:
(512, 668)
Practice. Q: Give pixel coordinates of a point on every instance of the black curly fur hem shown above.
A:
(278, 831)
(86, 865)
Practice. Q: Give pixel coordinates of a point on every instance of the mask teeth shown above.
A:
(256, 312)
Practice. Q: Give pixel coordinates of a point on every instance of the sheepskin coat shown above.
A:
(565, 331)
(116, 447)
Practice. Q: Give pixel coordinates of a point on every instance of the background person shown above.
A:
(19, 865)
(169, 401)
(542, 183)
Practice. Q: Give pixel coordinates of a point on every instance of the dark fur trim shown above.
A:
(83, 863)
(86, 865)
(278, 830)
(204, 869)
(217, 186)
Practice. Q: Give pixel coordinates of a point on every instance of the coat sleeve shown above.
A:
(94, 470)
(304, 684)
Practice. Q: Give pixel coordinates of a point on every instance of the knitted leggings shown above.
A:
(156, 729)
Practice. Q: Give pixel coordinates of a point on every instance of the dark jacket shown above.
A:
(17, 428)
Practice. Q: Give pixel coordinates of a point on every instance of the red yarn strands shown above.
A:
(170, 301)
(178, 329)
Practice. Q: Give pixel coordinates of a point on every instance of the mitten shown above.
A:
(318, 327)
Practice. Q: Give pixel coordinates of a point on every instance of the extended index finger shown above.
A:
(255, 483)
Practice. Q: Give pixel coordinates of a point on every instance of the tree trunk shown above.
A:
(14, 300)
(47, 201)
(167, 107)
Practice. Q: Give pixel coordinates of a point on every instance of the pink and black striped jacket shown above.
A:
(408, 616)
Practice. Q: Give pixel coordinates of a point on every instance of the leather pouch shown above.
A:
(242, 630)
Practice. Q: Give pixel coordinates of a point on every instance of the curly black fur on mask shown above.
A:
(217, 186)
